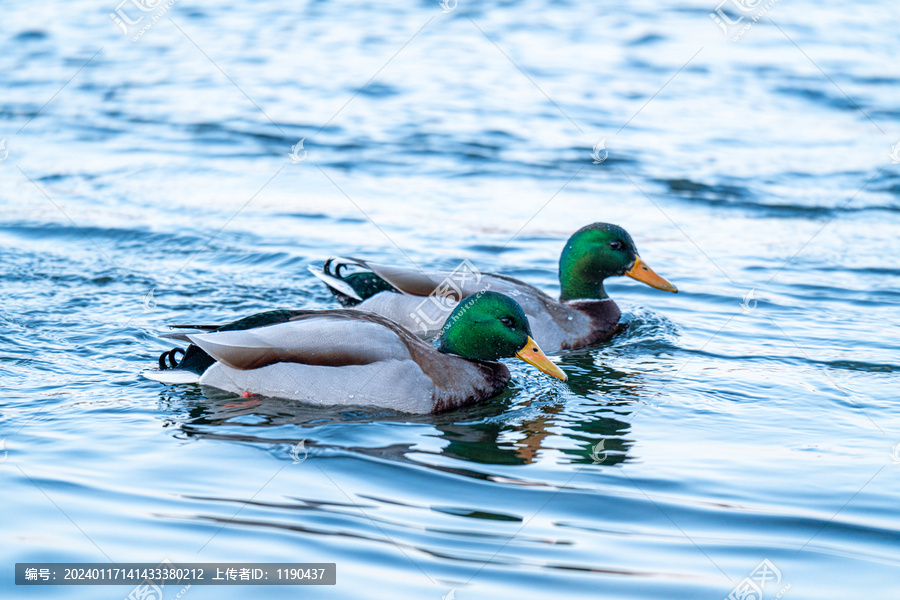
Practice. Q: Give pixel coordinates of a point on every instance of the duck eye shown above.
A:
(506, 321)
(615, 245)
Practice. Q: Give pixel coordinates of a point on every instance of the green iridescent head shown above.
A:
(489, 326)
(598, 251)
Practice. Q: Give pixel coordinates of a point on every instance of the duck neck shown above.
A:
(580, 278)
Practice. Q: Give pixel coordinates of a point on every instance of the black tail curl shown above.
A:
(169, 359)
(193, 359)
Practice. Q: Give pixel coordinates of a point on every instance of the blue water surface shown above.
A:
(148, 178)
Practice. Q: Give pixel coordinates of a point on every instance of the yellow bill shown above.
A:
(534, 356)
(645, 274)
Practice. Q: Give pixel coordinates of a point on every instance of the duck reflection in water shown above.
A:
(505, 431)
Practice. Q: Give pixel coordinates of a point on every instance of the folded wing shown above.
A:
(312, 340)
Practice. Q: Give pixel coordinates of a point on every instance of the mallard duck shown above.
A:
(583, 315)
(351, 357)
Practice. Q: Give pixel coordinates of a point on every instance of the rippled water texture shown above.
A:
(751, 417)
